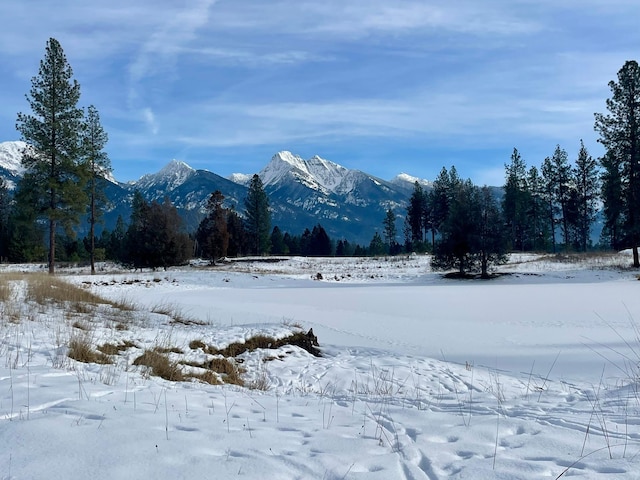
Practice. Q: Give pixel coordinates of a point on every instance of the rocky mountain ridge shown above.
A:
(348, 203)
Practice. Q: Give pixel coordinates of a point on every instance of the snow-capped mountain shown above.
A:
(10, 163)
(348, 203)
(241, 178)
(174, 174)
(403, 178)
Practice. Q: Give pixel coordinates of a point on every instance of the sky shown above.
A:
(381, 86)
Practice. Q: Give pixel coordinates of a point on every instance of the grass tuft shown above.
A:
(159, 365)
(80, 350)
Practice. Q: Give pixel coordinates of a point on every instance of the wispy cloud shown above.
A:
(150, 120)
(453, 81)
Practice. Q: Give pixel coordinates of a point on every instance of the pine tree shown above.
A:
(155, 238)
(5, 216)
(52, 134)
(613, 201)
(456, 245)
(562, 190)
(319, 242)
(585, 179)
(238, 241)
(213, 233)
(390, 230)
(416, 212)
(515, 200)
(258, 216)
(620, 134)
(491, 243)
(97, 165)
(278, 247)
(536, 213)
(549, 198)
(376, 246)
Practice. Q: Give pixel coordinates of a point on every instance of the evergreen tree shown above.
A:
(97, 165)
(536, 212)
(473, 236)
(492, 245)
(456, 245)
(376, 246)
(562, 190)
(238, 241)
(212, 235)
(440, 200)
(390, 230)
(319, 242)
(515, 201)
(613, 201)
(5, 216)
(620, 134)
(154, 237)
(415, 215)
(549, 197)
(116, 244)
(52, 133)
(585, 179)
(258, 223)
(278, 247)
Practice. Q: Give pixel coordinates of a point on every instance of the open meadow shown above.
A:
(207, 372)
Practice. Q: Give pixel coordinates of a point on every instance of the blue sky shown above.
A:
(381, 86)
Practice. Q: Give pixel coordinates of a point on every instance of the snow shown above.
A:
(174, 174)
(406, 178)
(315, 173)
(530, 375)
(241, 178)
(11, 155)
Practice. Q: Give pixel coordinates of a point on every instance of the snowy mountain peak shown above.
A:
(316, 173)
(405, 178)
(11, 155)
(174, 174)
(240, 178)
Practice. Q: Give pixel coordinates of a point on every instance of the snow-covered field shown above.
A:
(530, 375)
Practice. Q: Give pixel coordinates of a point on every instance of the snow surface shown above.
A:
(530, 375)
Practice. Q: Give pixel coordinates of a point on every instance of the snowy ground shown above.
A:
(529, 375)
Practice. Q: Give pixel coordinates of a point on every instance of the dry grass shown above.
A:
(6, 291)
(44, 289)
(80, 350)
(159, 365)
(226, 369)
(81, 326)
(111, 349)
(176, 314)
(251, 344)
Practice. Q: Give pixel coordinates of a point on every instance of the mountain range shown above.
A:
(349, 204)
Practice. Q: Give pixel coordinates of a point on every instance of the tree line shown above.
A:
(546, 208)
(550, 207)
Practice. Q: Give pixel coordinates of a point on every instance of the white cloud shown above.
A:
(150, 120)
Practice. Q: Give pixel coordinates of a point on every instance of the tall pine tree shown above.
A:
(97, 165)
(620, 134)
(585, 179)
(51, 160)
(258, 217)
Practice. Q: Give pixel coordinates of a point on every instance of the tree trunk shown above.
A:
(484, 262)
(92, 254)
(636, 259)
(52, 246)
